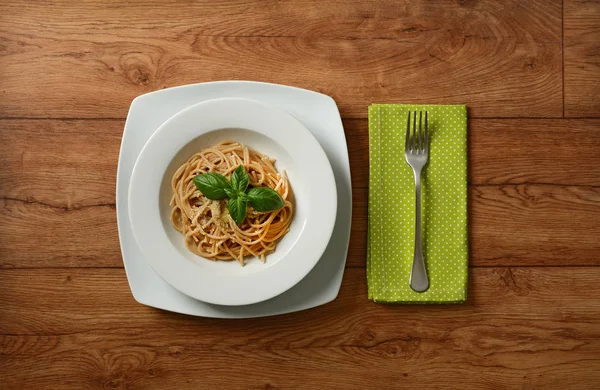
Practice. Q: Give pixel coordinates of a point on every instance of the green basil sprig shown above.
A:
(216, 187)
(264, 199)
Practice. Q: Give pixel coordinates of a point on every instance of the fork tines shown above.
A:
(418, 141)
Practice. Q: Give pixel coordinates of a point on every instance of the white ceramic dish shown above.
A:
(319, 114)
(270, 131)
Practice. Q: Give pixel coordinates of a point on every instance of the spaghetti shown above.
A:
(208, 228)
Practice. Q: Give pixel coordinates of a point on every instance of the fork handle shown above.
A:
(418, 275)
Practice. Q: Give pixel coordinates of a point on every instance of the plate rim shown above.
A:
(271, 281)
(149, 111)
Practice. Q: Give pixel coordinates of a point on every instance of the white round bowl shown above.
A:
(268, 130)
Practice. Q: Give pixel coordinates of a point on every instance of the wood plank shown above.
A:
(511, 224)
(67, 164)
(516, 225)
(582, 58)
(80, 171)
(92, 60)
(57, 190)
(530, 224)
(511, 151)
(37, 235)
(520, 327)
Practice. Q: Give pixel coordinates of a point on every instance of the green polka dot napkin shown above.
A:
(392, 206)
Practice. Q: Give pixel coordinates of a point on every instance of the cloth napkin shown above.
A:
(392, 206)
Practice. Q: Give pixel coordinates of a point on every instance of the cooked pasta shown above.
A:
(208, 228)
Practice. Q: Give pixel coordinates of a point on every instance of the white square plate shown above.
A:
(319, 114)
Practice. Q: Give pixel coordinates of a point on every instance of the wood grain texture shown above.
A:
(57, 193)
(509, 225)
(513, 225)
(65, 165)
(532, 319)
(86, 59)
(582, 57)
(521, 327)
(530, 187)
(510, 151)
(78, 158)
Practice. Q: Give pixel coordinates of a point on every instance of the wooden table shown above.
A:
(530, 73)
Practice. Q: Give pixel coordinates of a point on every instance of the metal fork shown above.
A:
(417, 154)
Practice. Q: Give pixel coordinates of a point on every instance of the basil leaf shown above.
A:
(237, 209)
(264, 199)
(231, 192)
(244, 196)
(239, 179)
(212, 185)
